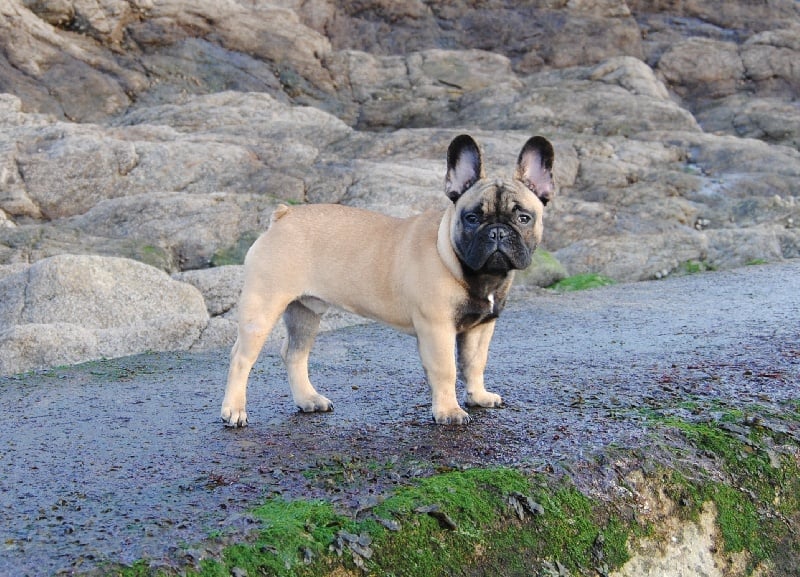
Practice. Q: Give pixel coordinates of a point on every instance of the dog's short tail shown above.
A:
(280, 211)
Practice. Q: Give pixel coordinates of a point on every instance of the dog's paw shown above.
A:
(484, 399)
(452, 416)
(314, 404)
(233, 417)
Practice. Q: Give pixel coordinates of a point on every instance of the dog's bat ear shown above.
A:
(463, 166)
(535, 167)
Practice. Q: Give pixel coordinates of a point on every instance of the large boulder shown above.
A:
(703, 68)
(41, 63)
(771, 119)
(533, 34)
(227, 142)
(67, 309)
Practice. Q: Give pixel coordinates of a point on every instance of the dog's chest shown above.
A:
(477, 309)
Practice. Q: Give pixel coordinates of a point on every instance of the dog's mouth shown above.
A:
(498, 262)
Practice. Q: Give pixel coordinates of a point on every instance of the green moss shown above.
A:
(795, 409)
(696, 266)
(741, 524)
(138, 569)
(474, 501)
(155, 256)
(761, 489)
(581, 282)
(739, 521)
(616, 535)
(296, 536)
(443, 525)
(570, 528)
(740, 456)
(568, 531)
(544, 258)
(544, 270)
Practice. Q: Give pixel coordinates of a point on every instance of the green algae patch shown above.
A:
(756, 490)
(499, 520)
(478, 521)
(296, 534)
(696, 266)
(581, 282)
(544, 270)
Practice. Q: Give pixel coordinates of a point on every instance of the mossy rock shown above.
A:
(235, 253)
(696, 266)
(478, 521)
(581, 282)
(499, 519)
(156, 256)
(754, 486)
(544, 271)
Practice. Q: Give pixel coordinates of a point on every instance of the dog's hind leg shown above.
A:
(302, 319)
(257, 316)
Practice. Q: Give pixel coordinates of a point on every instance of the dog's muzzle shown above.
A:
(497, 249)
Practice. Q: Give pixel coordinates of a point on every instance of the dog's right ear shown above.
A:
(463, 166)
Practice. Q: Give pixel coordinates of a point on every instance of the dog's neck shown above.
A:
(445, 249)
(485, 298)
(483, 285)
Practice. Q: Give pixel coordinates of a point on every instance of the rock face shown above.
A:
(166, 132)
(67, 309)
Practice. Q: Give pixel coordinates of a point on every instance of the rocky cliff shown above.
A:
(165, 132)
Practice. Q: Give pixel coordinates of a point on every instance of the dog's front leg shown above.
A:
(473, 352)
(436, 345)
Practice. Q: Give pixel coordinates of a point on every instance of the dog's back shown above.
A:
(349, 241)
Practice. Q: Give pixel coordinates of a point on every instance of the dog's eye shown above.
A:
(523, 218)
(472, 218)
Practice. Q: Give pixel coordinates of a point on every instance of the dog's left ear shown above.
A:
(463, 166)
(535, 167)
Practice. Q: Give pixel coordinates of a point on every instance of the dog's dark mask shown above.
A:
(492, 239)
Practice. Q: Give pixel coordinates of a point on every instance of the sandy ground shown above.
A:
(116, 460)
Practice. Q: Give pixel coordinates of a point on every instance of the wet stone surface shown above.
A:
(122, 459)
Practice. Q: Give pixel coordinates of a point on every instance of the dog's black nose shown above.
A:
(497, 233)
